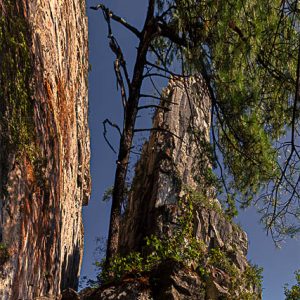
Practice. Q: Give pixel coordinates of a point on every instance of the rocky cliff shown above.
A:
(172, 161)
(176, 241)
(44, 145)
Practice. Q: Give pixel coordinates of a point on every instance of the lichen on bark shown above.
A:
(16, 103)
(44, 145)
(16, 113)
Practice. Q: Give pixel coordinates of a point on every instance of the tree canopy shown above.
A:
(293, 293)
(248, 53)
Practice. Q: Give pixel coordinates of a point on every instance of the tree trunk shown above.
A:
(44, 145)
(131, 110)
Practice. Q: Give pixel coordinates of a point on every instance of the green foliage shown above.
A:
(181, 246)
(204, 162)
(199, 199)
(4, 254)
(219, 259)
(246, 285)
(231, 210)
(133, 263)
(108, 194)
(253, 276)
(247, 53)
(294, 292)
(191, 253)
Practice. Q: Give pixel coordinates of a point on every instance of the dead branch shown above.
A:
(120, 82)
(118, 19)
(154, 106)
(158, 129)
(107, 121)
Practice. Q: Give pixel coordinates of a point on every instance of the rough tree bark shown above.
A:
(44, 145)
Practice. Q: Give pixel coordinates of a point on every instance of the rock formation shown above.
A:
(171, 190)
(172, 160)
(44, 145)
(44, 174)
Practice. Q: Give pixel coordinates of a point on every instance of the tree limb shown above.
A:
(154, 106)
(107, 121)
(117, 19)
(158, 129)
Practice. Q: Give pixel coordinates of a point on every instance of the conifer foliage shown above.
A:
(248, 53)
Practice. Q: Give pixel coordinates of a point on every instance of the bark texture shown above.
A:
(44, 145)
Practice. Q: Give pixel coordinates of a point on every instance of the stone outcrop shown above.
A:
(173, 170)
(44, 145)
(172, 159)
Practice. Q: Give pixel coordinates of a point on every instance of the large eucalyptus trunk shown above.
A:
(44, 145)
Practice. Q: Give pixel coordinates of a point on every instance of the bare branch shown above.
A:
(107, 121)
(120, 83)
(154, 106)
(157, 75)
(161, 59)
(154, 86)
(158, 98)
(166, 70)
(118, 19)
(166, 12)
(158, 129)
(150, 96)
(158, 55)
(168, 32)
(116, 49)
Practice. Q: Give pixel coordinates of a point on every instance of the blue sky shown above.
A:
(279, 264)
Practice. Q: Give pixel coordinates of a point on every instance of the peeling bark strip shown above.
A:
(44, 145)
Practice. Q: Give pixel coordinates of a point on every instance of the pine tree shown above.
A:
(248, 54)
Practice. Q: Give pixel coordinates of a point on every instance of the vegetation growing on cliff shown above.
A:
(248, 54)
(189, 252)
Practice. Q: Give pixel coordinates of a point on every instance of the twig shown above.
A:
(154, 106)
(156, 75)
(166, 70)
(158, 129)
(117, 19)
(120, 83)
(107, 121)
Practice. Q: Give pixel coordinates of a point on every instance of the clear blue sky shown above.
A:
(278, 264)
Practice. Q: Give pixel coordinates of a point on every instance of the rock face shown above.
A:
(44, 145)
(171, 160)
(170, 281)
(173, 170)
